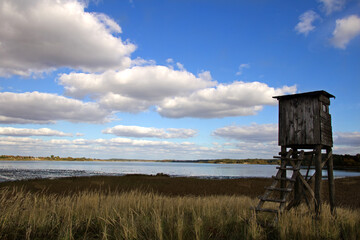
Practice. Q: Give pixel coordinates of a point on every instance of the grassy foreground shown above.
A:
(161, 207)
(137, 215)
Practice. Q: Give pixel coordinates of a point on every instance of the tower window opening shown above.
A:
(324, 108)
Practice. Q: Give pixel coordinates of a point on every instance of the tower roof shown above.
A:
(314, 94)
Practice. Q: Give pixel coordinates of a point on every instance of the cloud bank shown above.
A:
(134, 89)
(43, 108)
(347, 138)
(174, 93)
(42, 35)
(252, 144)
(10, 131)
(253, 133)
(128, 148)
(224, 100)
(150, 132)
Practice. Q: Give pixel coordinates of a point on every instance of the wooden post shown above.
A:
(283, 174)
(331, 180)
(318, 178)
(297, 186)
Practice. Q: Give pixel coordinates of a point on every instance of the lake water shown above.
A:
(19, 170)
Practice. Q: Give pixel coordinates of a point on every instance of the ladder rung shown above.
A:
(305, 153)
(288, 168)
(267, 210)
(309, 153)
(272, 200)
(279, 189)
(285, 158)
(284, 179)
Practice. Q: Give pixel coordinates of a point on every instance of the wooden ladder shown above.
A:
(280, 190)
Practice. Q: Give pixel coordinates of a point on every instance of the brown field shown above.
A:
(347, 190)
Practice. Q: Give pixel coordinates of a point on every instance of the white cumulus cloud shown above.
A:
(35, 107)
(140, 82)
(306, 22)
(346, 29)
(253, 133)
(330, 6)
(174, 93)
(42, 35)
(134, 89)
(224, 100)
(141, 132)
(10, 131)
(117, 102)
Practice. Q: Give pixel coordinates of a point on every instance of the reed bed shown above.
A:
(139, 215)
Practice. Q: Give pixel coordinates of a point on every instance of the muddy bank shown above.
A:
(347, 189)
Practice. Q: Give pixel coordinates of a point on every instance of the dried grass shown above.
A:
(139, 215)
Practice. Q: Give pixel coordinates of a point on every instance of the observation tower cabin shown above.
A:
(304, 120)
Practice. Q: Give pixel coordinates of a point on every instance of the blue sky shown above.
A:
(171, 79)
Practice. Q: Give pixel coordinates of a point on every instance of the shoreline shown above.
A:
(353, 166)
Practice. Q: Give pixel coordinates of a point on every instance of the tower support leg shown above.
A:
(283, 174)
(330, 167)
(318, 178)
(297, 186)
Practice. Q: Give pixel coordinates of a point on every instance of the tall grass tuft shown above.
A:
(137, 215)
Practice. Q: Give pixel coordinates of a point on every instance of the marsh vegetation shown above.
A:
(160, 207)
(138, 215)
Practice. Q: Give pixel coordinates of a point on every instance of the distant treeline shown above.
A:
(347, 161)
(234, 161)
(51, 158)
(340, 161)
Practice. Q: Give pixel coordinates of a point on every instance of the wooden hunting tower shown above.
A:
(304, 123)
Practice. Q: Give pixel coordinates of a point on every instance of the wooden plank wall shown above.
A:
(302, 122)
